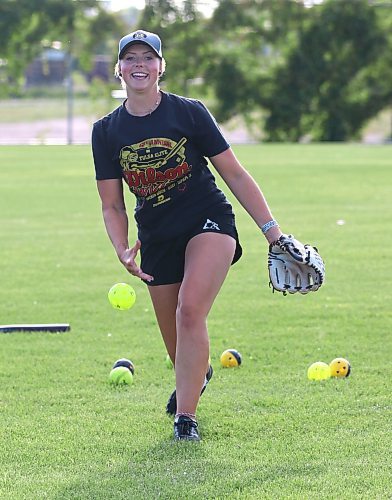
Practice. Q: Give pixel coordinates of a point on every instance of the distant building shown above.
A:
(103, 68)
(51, 66)
(47, 69)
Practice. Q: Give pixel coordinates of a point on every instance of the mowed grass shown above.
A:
(28, 110)
(267, 431)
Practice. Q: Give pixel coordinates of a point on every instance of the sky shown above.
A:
(139, 4)
(206, 6)
(123, 4)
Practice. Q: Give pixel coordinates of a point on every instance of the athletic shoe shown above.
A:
(171, 407)
(185, 429)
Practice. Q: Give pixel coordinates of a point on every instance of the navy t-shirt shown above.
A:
(162, 159)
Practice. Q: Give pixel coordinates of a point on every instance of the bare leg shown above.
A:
(164, 299)
(207, 261)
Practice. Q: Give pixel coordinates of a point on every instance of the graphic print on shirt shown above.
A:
(153, 167)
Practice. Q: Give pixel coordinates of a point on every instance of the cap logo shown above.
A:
(139, 34)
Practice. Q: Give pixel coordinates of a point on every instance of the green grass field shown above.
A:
(267, 431)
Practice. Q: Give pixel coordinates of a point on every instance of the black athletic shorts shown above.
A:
(165, 260)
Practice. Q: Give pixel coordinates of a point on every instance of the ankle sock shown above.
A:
(184, 414)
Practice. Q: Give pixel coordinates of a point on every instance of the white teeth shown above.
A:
(139, 75)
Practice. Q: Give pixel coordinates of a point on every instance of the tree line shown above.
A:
(289, 70)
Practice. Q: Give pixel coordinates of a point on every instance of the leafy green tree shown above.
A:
(334, 79)
(26, 26)
(182, 29)
(247, 38)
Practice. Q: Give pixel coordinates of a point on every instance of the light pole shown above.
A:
(70, 94)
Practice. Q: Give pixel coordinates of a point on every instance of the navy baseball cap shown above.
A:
(140, 36)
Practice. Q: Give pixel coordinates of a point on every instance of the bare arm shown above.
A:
(246, 190)
(114, 213)
(116, 223)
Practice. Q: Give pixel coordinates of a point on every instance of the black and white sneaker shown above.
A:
(185, 429)
(171, 407)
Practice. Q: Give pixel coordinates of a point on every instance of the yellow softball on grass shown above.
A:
(121, 375)
(319, 371)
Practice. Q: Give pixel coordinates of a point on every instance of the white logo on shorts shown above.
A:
(209, 224)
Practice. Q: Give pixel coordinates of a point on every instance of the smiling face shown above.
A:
(140, 67)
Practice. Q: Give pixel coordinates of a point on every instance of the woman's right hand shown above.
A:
(127, 258)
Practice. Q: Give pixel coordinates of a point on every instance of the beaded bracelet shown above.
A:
(268, 225)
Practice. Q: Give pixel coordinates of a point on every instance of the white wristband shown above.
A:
(268, 225)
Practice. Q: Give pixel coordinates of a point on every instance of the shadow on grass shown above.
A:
(179, 470)
(167, 470)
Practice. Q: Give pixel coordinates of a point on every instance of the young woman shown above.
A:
(158, 143)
